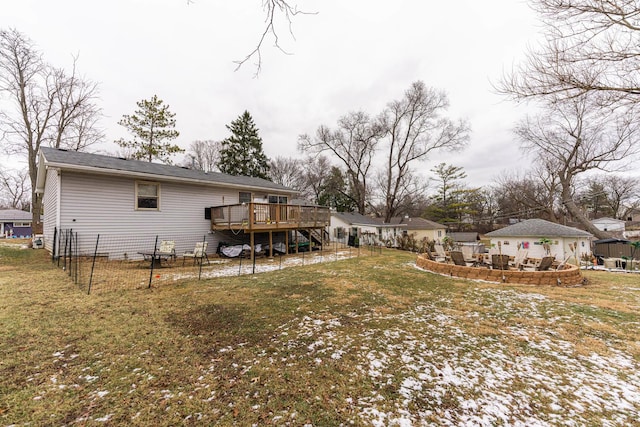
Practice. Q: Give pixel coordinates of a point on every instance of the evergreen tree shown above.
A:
(451, 204)
(334, 192)
(241, 153)
(152, 126)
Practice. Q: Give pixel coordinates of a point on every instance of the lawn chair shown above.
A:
(519, 259)
(500, 262)
(546, 263)
(441, 255)
(198, 254)
(458, 258)
(165, 252)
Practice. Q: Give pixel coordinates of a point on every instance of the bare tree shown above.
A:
(203, 155)
(274, 10)
(535, 195)
(75, 124)
(316, 171)
(354, 144)
(415, 127)
(591, 46)
(49, 107)
(615, 194)
(287, 171)
(575, 136)
(624, 194)
(14, 189)
(409, 191)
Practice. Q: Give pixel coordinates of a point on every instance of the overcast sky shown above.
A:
(350, 55)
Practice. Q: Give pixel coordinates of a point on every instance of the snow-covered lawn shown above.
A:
(426, 370)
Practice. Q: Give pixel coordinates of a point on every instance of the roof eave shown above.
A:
(142, 175)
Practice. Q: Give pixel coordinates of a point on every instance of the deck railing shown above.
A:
(268, 216)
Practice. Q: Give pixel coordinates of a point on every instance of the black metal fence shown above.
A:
(98, 263)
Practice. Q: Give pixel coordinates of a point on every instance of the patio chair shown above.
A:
(519, 259)
(500, 262)
(441, 255)
(458, 258)
(198, 254)
(167, 250)
(546, 263)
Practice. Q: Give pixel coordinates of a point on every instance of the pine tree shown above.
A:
(152, 127)
(242, 153)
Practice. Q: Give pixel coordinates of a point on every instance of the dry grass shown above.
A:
(363, 341)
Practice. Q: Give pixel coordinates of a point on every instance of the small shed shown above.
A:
(613, 248)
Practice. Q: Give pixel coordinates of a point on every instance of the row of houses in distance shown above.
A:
(97, 194)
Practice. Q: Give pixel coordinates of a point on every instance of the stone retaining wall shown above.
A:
(570, 276)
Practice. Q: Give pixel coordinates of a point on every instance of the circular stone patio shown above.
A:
(569, 276)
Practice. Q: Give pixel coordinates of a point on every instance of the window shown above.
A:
(279, 200)
(147, 196)
(244, 197)
(22, 224)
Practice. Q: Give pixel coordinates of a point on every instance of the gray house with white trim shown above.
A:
(97, 194)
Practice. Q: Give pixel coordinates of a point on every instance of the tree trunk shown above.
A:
(578, 215)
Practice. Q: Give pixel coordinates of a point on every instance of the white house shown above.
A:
(609, 224)
(94, 194)
(529, 235)
(347, 225)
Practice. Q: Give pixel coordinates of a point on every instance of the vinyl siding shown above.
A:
(105, 205)
(561, 250)
(50, 207)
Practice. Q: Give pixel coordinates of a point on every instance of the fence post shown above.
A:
(202, 255)
(240, 268)
(55, 236)
(66, 245)
(153, 261)
(253, 252)
(77, 264)
(93, 263)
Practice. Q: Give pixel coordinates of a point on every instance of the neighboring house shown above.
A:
(375, 231)
(345, 226)
(95, 194)
(421, 228)
(388, 233)
(15, 223)
(527, 236)
(633, 215)
(611, 225)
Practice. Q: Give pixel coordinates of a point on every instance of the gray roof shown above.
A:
(14, 215)
(417, 223)
(463, 236)
(356, 218)
(98, 162)
(538, 228)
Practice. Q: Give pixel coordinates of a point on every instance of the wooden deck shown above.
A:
(263, 217)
